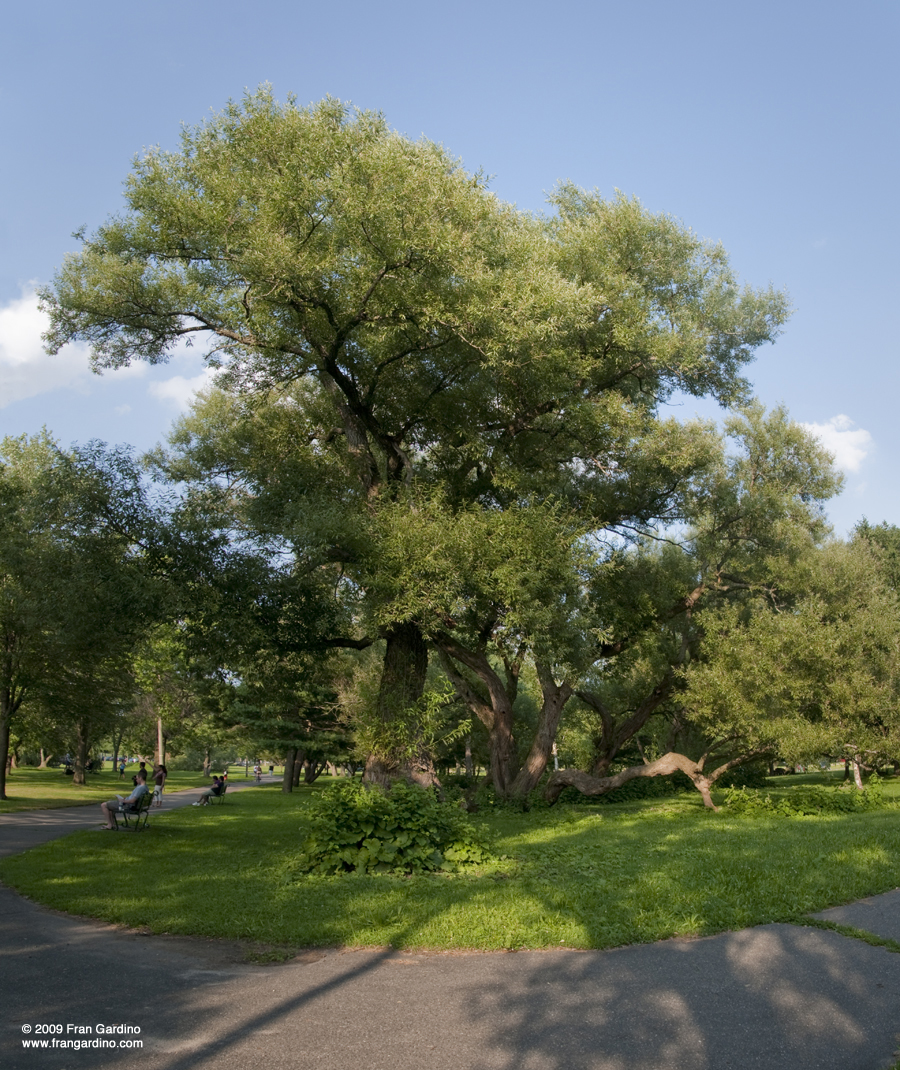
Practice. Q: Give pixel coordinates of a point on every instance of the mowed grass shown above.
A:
(46, 789)
(581, 877)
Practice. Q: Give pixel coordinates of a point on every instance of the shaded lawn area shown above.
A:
(29, 788)
(583, 877)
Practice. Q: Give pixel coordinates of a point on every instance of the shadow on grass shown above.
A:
(572, 879)
(590, 879)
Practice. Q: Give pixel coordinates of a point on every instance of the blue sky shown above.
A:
(771, 127)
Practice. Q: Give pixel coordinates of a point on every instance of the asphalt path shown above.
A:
(776, 997)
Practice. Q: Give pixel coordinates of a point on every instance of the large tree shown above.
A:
(418, 330)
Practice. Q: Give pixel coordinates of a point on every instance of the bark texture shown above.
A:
(402, 686)
(663, 766)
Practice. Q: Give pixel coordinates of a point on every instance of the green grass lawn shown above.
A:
(44, 789)
(581, 876)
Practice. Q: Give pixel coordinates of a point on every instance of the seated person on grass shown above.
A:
(109, 809)
(218, 786)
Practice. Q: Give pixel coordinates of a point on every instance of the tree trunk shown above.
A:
(469, 765)
(614, 734)
(299, 759)
(857, 775)
(82, 745)
(10, 701)
(312, 770)
(45, 759)
(555, 697)
(495, 712)
(664, 766)
(160, 742)
(402, 685)
(207, 761)
(287, 779)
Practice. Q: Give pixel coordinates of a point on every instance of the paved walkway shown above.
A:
(777, 997)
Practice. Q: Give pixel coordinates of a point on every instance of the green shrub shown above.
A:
(656, 787)
(806, 800)
(751, 775)
(359, 830)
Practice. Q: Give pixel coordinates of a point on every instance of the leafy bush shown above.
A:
(359, 830)
(806, 800)
(640, 788)
(751, 775)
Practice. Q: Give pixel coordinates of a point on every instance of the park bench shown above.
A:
(135, 818)
(220, 798)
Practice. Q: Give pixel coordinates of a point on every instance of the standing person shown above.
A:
(257, 769)
(142, 771)
(159, 782)
(109, 809)
(121, 769)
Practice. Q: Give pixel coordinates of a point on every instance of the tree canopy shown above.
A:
(403, 355)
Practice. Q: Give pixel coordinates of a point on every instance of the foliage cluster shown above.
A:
(639, 788)
(806, 800)
(406, 830)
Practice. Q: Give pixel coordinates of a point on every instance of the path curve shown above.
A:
(767, 998)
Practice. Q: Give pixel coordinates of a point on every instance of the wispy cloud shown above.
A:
(181, 391)
(848, 444)
(25, 369)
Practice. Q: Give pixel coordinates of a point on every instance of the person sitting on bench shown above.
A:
(109, 809)
(218, 786)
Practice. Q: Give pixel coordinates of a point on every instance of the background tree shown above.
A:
(77, 595)
(757, 520)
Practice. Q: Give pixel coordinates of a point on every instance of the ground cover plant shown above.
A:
(354, 830)
(571, 876)
(30, 788)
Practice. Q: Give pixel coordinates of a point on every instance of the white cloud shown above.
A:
(25, 369)
(849, 447)
(179, 390)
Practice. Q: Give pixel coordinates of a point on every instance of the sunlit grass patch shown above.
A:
(29, 788)
(573, 877)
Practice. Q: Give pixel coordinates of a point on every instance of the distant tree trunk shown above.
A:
(11, 699)
(160, 742)
(857, 774)
(287, 779)
(312, 770)
(45, 759)
(470, 765)
(207, 761)
(297, 770)
(82, 745)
